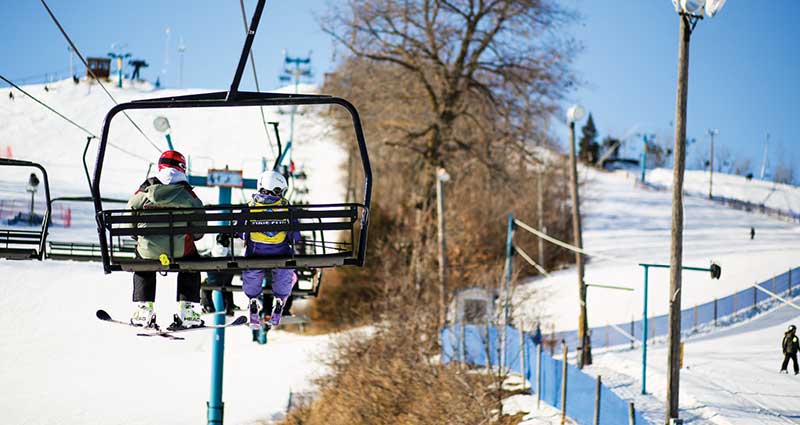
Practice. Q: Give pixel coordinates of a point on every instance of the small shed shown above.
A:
(473, 306)
(100, 66)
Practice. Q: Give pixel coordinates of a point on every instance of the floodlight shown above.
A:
(699, 7)
(161, 124)
(575, 113)
(442, 175)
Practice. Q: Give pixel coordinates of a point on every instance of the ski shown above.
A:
(241, 320)
(104, 316)
(157, 331)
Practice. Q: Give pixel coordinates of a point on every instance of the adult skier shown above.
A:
(272, 187)
(790, 348)
(168, 189)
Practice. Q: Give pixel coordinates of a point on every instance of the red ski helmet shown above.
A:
(172, 159)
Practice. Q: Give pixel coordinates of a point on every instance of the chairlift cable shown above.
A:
(69, 120)
(255, 77)
(88, 69)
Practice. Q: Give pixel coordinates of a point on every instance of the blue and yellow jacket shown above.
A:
(269, 242)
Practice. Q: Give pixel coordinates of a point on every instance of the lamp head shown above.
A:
(33, 182)
(442, 175)
(161, 124)
(575, 113)
(708, 8)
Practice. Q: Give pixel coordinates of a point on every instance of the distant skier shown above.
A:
(752, 233)
(11, 95)
(272, 187)
(169, 189)
(790, 348)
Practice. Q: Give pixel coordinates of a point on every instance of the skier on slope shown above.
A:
(272, 187)
(790, 348)
(168, 189)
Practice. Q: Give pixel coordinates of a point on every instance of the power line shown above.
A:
(67, 119)
(89, 69)
(255, 77)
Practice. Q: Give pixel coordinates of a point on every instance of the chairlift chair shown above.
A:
(349, 218)
(26, 244)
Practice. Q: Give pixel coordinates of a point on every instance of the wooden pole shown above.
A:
(631, 414)
(584, 348)
(538, 375)
(676, 251)
(523, 367)
(597, 401)
(442, 249)
(564, 386)
(540, 212)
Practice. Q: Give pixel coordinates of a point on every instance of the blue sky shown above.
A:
(744, 65)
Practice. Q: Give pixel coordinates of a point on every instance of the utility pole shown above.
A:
(764, 159)
(301, 69)
(689, 13)
(711, 133)
(71, 62)
(181, 50)
(676, 249)
(441, 178)
(540, 212)
(584, 354)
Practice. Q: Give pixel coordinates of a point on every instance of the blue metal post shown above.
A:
(215, 404)
(644, 335)
(169, 141)
(509, 237)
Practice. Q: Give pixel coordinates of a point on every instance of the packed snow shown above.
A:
(632, 225)
(779, 196)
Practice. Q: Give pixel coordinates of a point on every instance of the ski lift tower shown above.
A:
(294, 69)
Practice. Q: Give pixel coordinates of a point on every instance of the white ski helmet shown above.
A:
(273, 181)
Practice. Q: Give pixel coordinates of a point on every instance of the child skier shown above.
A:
(272, 187)
(169, 189)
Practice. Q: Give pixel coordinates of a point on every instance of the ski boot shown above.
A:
(254, 310)
(277, 311)
(186, 317)
(144, 315)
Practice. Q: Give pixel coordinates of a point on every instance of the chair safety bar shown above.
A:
(236, 220)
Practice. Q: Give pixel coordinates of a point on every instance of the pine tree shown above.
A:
(588, 144)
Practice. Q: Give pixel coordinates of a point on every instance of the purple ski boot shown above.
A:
(277, 311)
(254, 310)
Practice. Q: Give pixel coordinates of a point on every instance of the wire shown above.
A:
(562, 244)
(69, 120)
(86, 64)
(528, 258)
(255, 77)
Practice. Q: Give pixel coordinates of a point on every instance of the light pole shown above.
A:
(33, 185)
(441, 178)
(711, 134)
(576, 113)
(689, 12)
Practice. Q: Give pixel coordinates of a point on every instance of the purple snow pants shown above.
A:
(282, 282)
(282, 279)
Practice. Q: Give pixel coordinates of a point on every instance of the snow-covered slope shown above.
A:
(59, 364)
(779, 196)
(633, 225)
(729, 375)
